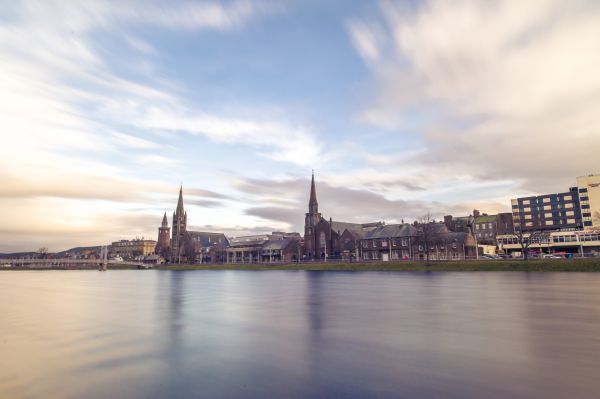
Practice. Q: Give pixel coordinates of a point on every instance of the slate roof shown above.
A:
(277, 244)
(207, 239)
(359, 230)
(392, 230)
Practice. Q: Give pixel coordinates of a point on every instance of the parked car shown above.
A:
(489, 257)
(552, 256)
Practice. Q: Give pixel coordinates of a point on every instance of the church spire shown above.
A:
(313, 205)
(179, 210)
(165, 223)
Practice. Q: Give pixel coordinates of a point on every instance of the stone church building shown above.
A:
(185, 246)
(328, 238)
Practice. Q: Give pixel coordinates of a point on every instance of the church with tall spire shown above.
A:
(178, 244)
(327, 238)
(178, 238)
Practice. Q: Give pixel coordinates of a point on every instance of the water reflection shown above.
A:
(155, 334)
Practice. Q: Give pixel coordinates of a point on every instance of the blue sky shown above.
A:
(401, 108)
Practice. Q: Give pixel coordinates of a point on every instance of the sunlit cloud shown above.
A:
(496, 85)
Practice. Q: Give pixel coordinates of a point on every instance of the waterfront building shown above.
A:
(264, 248)
(577, 242)
(487, 227)
(417, 241)
(328, 238)
(389, 242)
(129, 249)
(187, 245)
(202, 242)
(589, 199)
(547, 212)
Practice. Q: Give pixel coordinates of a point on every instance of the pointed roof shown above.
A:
(179, 210)
(313, 191)
(165, 223)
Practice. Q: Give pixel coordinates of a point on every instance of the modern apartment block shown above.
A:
(589, 200)
(548, 212)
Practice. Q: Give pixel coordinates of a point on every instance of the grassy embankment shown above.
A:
(543, 265)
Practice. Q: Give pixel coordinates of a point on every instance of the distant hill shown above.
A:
(61, 254)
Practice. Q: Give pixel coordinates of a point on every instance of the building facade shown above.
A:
(431, 241)
(578, 242)
(548, 212)
(130, 249)
(487, 227)
(589, 200)
(264, 248)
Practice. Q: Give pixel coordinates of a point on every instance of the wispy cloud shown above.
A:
(493, 83)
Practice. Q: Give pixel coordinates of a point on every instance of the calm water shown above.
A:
(232, 334)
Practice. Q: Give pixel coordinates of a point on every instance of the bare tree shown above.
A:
(43, 252)
(427, 232)
(526, 238)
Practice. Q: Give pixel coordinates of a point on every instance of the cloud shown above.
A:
(205, 203)
(200, 192)
(339, 202)
(73, 131)
(207, 15)
(140, 45)
(275, 140)
(498, 87)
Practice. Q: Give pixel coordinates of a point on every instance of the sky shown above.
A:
(400, 107)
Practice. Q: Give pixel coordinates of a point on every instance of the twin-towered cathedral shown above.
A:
(323, 239)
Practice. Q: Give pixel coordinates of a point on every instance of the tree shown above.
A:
(526, 238)
(43, 251)
(427, 232)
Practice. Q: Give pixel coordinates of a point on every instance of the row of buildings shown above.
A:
(323, 239)
(569, 221)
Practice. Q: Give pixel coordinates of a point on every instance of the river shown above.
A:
(280, 334)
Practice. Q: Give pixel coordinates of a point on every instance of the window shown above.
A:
(404, 242)
(583, 190)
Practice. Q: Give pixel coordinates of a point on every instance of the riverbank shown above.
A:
(543, 265)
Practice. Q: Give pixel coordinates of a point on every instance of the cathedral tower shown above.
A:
(179, 229)
(310, 221)
(163, 244)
